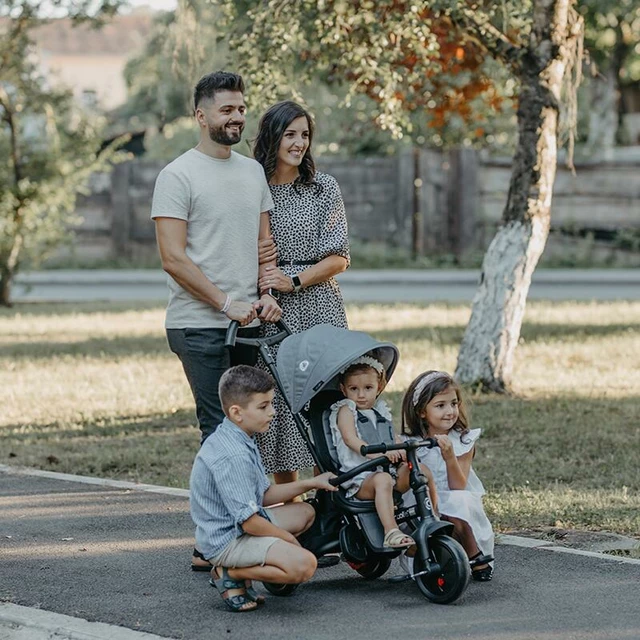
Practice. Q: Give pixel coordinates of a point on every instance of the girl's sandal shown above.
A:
(239, 603)
(395, 539)
(481, 570)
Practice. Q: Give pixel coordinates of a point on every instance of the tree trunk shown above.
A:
(487, 351)
(6, 279)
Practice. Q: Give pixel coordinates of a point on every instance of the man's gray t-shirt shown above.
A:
(221, 200)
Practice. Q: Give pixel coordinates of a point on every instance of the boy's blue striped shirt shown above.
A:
(227, 486)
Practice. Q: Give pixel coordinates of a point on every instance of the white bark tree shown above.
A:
(544, 66)
(395, 51)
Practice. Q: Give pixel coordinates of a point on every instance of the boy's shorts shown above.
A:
(246, 550)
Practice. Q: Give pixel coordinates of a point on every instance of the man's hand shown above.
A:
(322, 481)
(271, 312)
(267, 250)
(243, 312)
(273, 278)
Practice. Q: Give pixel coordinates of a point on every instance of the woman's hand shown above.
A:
(273, 278)
(268, 308)
(267, 250)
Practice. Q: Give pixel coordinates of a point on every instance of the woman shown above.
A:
(309, 228)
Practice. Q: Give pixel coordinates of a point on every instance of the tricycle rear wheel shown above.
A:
(278, 589)
(372, 568)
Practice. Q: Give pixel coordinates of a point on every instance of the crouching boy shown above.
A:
(229, 491)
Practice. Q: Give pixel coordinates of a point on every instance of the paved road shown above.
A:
(356, 285)
(120, 556)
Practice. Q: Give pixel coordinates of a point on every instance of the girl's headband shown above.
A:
(368, 360)
(420, 387)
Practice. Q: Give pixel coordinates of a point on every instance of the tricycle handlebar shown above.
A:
(406, 445)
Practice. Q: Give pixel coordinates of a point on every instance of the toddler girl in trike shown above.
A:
(364, 419)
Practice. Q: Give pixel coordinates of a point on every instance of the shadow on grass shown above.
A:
(112, 428)
(94, 347)
(73, 308)
(452, 335)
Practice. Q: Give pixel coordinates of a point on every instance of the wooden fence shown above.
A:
(423, 200)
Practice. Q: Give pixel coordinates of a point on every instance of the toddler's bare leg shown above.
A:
(379, 487)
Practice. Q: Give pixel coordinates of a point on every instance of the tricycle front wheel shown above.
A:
(448, 583)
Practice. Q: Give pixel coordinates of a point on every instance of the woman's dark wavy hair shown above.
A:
(413, 424)
(273, 124)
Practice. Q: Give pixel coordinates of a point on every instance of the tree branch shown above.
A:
(479, 26)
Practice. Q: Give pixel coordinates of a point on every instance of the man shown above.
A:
(210, 206)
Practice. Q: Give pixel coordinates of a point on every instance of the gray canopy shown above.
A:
(311, 360)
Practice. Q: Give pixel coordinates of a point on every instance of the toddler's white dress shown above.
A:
(349, 459)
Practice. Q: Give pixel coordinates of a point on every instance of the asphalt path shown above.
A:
(383, 286)
(121, 556)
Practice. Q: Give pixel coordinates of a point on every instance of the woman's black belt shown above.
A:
(286, 263)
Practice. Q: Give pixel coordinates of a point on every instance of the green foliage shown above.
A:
(423, 73)
(175, 138)
(51, 146)
(611, 29)
(182, 47)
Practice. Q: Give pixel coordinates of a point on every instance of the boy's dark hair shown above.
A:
(217, 81)
(413, 424)
(273, 124)
(239, 383)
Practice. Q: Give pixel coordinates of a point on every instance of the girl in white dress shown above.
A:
(362, 418)
(433, 407)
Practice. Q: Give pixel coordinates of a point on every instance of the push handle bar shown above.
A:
(232, 333)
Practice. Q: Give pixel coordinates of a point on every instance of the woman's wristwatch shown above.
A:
(297, 285)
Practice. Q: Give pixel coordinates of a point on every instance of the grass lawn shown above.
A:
(92, 389)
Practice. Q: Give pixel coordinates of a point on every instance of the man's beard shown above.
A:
(222, 136)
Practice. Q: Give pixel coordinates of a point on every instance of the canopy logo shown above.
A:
(304, 365)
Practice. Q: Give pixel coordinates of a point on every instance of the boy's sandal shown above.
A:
(395, 539)
(203, 565)
(252, 594)
(239, 603)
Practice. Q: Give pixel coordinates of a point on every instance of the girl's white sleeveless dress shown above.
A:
(465, 504)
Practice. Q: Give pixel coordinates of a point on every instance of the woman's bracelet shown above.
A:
(226, 305)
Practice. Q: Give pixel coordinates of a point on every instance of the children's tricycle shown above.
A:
(306, 372)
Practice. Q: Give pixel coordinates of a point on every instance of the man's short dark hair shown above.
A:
(217, 81)
(239, 383)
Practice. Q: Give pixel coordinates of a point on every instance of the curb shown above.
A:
(27, 623)
(516, 541)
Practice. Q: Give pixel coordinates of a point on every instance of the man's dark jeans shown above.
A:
(204, 359)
